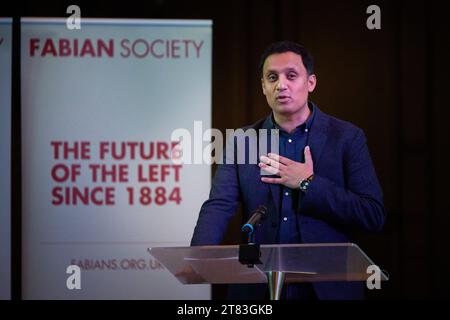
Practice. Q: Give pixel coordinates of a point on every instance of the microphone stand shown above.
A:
(250, 253)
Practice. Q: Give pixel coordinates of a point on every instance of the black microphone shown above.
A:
(255, 220)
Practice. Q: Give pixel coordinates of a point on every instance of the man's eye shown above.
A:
(292, 76)
(272, 77)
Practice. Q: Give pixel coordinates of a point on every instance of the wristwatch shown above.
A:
(304, 183)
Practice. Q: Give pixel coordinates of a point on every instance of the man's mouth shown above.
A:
(283, 98)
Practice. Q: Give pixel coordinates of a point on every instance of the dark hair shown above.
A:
(288, 46)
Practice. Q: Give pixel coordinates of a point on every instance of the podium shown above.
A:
(279, 264)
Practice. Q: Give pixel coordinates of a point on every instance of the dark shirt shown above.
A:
(292, 146)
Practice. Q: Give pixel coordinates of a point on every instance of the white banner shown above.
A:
(99, 188)
(5, 157)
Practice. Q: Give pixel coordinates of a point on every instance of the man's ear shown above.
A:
(263, 86)
(312, 81)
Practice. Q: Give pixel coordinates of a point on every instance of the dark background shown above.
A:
(390, 82)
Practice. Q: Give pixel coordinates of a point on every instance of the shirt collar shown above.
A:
(273, 125)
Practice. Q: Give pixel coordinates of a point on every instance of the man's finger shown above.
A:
(267, 168)
(272, 180)
(308, 156)
(271, 162)
(282, 160)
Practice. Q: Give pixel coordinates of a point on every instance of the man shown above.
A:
(324, 186)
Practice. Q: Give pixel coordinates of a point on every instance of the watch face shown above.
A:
(304, 185)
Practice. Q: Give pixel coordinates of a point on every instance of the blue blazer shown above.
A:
(344, 195)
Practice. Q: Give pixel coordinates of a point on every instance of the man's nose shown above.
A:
(281, 84)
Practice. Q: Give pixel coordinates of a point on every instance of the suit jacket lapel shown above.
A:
(275, 191)
(318, 135)
(274, 188)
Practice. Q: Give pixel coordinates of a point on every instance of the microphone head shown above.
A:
(262, 210)
(255, 220)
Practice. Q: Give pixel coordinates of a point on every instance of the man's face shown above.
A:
(286, 83)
